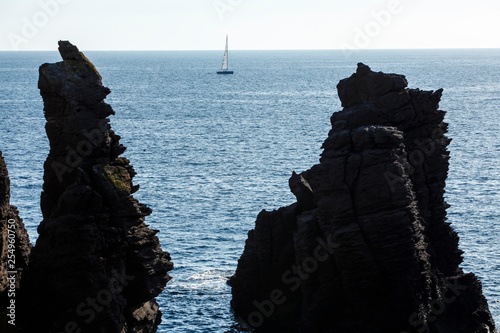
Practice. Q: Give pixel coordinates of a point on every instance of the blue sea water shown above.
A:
(211, 151)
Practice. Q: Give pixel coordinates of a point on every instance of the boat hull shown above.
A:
(225, 72)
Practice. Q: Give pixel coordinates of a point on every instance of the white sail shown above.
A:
(224, 62)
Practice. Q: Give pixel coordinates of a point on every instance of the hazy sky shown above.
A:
(251, 24)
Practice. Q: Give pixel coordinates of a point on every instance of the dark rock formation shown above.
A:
(15, 248)
(96, 266)
(366, 248)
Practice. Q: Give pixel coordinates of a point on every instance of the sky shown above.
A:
(250, 24)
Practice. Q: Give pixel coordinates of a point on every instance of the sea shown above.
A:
(211, 151)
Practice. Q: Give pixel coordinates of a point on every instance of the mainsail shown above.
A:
(224, 62)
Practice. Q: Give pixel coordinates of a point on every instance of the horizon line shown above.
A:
(325, 49)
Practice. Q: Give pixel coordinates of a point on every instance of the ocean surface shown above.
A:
(211, 151)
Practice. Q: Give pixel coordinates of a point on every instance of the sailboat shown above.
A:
(225, 69)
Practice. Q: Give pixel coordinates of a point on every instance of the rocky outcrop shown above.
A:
(15, 248)
(367, 247)
(96, 266)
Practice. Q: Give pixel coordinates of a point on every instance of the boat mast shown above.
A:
(227, 55)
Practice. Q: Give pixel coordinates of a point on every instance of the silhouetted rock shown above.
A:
(366, 248)
(15, 248)
(96, 265)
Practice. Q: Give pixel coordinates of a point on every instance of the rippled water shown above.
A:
(211, 151)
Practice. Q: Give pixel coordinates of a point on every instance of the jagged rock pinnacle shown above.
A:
(14, 240)
(367, 247)
(93, 240)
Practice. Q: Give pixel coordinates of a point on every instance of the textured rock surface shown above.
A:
(96, 265)
(366, 248)
(18, 252)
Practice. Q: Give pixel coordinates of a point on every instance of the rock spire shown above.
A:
(367, 246)
(96, 266)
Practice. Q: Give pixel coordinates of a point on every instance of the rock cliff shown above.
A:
(367, 246)
(15, 248)
(96, 266)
